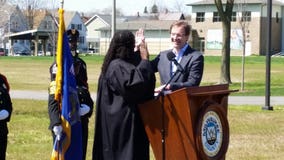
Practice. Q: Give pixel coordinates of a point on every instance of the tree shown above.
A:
(179, 6)
(244, 23)
(225, 16)
(154, 9)
(145, 10)
(29, 8)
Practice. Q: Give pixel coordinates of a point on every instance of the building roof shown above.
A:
(39, 16)
(104, 18)
(68, 16)
(146, 25)
(202, 2)
(85, 18)
(140, 17)
(171, 16)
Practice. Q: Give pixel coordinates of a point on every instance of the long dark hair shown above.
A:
(121, 46)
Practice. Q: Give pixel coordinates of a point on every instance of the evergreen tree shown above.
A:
(145, 10)
(154, 9)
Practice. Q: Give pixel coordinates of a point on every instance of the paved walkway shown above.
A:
(255, 100)
(235, 100)
(36, 95)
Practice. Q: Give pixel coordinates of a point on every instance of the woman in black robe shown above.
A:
(126, 80)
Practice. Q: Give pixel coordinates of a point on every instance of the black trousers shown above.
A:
(3, 145)
(85, 130)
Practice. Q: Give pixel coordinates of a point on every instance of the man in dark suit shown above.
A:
(190, 71)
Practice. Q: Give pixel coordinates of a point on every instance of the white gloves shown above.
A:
(84, 109)
(3, 114)
(57, 130)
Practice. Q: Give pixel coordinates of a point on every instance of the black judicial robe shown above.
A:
(119, 130)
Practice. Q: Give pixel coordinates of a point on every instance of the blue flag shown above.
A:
(69, 146)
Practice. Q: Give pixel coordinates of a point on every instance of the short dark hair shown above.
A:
(184, 24)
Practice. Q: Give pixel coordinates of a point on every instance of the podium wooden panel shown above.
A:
(178, 115)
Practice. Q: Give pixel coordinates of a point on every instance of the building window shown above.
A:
(46, 24)
(216, 17)
(246, 16)
(79, 26)
(234, 17)
(73, 26)
(82, 39)
(200, 16)
(76, 26)
(15, 26)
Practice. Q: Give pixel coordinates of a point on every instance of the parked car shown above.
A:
(21, 50)
(40, 53)
(91, 50)
(2, 52)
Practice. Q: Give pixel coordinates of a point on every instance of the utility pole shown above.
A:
(268, 58)
(113, 26)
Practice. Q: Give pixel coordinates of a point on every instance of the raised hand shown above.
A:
(139, 37)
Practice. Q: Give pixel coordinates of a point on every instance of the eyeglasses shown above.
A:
(177, 35)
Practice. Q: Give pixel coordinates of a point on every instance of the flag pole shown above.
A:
(61, 4)
(58, 143)
(58, 91)
(59, 157)
(57, 140)
(58, 147)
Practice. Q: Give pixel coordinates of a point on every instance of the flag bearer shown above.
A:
(85, 99)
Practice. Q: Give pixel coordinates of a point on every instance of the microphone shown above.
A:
(58, 137)
(171, 57)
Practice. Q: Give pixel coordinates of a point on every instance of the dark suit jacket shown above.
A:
(193, 63)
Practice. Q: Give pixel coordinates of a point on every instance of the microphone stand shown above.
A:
(163, 132)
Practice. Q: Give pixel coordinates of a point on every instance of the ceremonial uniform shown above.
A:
(84, 96)
(5, 114)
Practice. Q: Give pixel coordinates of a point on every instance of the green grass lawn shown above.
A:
(32, 73)
(255, 134)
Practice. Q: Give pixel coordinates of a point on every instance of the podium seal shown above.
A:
(212, 132)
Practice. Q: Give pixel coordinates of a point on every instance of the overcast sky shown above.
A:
(128, 7)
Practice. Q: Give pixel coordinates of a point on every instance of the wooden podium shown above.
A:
(188, 124)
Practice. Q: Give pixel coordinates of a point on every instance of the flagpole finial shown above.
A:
(61, 3)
